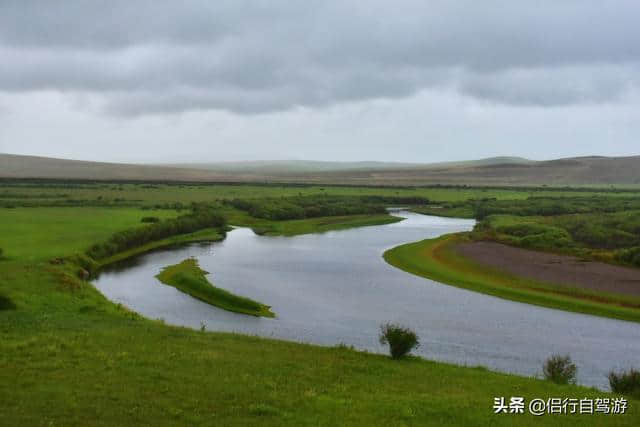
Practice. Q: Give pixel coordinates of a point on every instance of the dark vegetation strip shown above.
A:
(6, 303)
(84, 183)
(201, 217)
(301, 207)
(597, 227)
(189, 278)
(203, 235)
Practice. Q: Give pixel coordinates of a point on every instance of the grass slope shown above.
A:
(189, 278)
(38, 233)
(435, 259)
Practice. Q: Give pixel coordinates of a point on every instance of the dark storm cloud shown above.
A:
(261, 56)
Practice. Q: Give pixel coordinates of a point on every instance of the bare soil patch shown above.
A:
(552, 268)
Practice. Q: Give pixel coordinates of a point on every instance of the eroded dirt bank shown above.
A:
(554, 268)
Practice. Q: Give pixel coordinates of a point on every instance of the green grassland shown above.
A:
(153, 194)
(436, 259)
(189, 278)
(38, 233)
(68, 356)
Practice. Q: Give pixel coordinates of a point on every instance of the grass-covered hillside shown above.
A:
(578, 171)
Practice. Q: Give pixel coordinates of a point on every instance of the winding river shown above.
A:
(335, 288)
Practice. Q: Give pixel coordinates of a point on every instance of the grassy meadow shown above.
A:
(39, 233)
(18, 193)
(68, 356)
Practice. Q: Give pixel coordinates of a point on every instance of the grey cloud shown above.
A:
(262, 56)
(554, 86)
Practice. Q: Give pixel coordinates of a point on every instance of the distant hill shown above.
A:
(291, 166)
(15, 166)
(594, 170)
(280, 167)
(577, 171)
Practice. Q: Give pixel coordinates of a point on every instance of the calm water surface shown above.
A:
(335, 288)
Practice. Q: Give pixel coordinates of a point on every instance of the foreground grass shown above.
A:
(70, 357)
(189, 278)
(436, 259)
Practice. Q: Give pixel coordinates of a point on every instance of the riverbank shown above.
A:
(437, 259)
(189, 278)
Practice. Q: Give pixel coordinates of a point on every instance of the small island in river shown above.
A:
(189, 278)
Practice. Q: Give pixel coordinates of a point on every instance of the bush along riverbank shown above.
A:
(199, 219)
(189, 278)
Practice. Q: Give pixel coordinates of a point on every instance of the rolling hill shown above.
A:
(577, 171)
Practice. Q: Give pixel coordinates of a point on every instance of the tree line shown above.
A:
(200, 218)
(300, 207)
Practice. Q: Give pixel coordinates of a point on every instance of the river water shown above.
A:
(335, 287)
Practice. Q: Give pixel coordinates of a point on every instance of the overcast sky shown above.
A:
(402, 80)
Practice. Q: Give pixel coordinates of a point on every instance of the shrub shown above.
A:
(201, 217)
(625, 382)
(631, 256)
(560, 369)
(401, 340)
(6, 303)
(1, 252)
(300, 207)
(150, 219)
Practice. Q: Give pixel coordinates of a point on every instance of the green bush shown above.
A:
(553, 206)
(201, 217)
(1, 252)
(630, 256)
(150, 219)
(6, 303)
(530, 235)
(401, 340)
(625, 382)
(300, 207)
(560, 369)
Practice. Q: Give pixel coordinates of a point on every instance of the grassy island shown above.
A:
(189, 278)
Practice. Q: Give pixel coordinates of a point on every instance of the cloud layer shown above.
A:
(250, 57)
